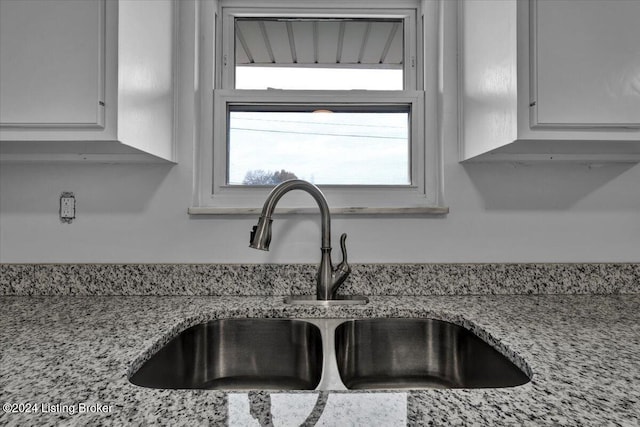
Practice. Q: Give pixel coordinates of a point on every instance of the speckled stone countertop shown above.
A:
(59, 352)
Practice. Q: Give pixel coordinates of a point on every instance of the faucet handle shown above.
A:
(342, 270)
(343, 247)
(343, 267)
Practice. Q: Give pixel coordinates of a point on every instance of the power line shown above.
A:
(323, 123)
(321, 134)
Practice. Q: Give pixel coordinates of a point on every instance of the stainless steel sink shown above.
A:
(419, 353)
(327, 354)
(236, 354)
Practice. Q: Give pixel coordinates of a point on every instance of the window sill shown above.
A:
(415, 211)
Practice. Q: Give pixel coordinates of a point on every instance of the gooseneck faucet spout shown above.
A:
(329, 278)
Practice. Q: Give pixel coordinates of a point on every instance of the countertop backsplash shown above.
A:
(299, 279)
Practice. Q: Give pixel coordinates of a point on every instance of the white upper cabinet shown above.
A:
(549, 80)
(55, 61)
(87, 80)
(586, 63)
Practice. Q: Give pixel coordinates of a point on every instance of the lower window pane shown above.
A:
(322, 146)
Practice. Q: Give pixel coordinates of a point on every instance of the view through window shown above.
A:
(323, 147)
(327, 145)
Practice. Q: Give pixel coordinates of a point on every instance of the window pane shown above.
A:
(317, 78)
(316, 54)
(326, 148)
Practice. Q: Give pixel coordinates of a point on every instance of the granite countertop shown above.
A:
(66, 354)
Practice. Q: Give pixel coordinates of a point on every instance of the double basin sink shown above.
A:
(327, 354)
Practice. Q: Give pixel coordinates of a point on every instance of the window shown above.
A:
(333, 93)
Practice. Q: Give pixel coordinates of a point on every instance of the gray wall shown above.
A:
(499, 213)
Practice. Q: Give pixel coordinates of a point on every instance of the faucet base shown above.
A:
(338, 300)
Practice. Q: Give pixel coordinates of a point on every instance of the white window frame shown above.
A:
(212, 195)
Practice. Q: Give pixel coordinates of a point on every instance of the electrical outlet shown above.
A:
(67, 207)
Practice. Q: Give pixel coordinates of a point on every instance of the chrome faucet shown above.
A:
(328, 278)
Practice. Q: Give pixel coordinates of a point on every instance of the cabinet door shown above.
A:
(585, 63)
(52, 64)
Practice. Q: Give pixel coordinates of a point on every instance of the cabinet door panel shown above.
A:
(51, 63)
(586, 57)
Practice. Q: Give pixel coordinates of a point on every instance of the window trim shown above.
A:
(337, 195)
(211, 195)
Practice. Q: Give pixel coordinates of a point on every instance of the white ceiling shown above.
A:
(329, 43)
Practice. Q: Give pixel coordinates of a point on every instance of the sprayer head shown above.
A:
(261, 234)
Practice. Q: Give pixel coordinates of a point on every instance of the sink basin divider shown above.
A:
(330, 379)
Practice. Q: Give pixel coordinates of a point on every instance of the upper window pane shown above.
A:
(319, 54)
